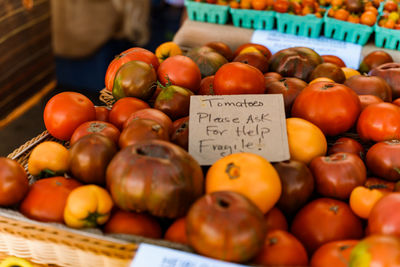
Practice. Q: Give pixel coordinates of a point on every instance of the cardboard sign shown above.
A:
(227, 124)
(350, 53)
(155, 256)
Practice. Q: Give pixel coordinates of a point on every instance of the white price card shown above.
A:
(154, 256)
(350, 53)
(227, 124)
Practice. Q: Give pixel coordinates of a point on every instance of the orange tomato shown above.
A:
(341, 14)
(306, 140)
(362, 199)
(245, 4)
(236, 172)
(282, 248)
(368, 18)
(259, 4)
(336, 3)
(176, 232)
(353, 18)
(372, 9)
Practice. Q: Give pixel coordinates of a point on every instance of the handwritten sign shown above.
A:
(350, 53)
(155, 256)
(223, 125)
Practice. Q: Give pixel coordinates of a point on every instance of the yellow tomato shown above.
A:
(363, 199)
(15, 262)
(250, 49)
(48, 159)
(87, 206)
(321, 79)
(348, 72)
(166, 50)
(248, 174)
(306, 140)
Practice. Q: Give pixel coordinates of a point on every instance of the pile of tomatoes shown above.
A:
(390, 15)
(126, 169)
(365, 13)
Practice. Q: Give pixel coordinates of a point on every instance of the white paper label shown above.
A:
(155, 256)
(350, 53)
(226, 124)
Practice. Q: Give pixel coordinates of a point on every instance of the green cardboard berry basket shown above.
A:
(255, 19)
(205, 12)
(386, 38)
(346, 31)
(306, 26)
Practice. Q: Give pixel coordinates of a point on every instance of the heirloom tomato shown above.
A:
(376, 250)
(134, 53)
(238, 78)
(324, 220)
(306, 140)
(65, 111)
(237, 171)
(349, 145)
(181, 71)
(46, 199)
(379, 122)
(281, 248)
(48, 159)
(362, 200)
(383, 160)
(13, 182)
(384, 218)
(99, 127)
(123, 108)
(176, 232)
(333, 254)
(132, 223)
(87, 206)
(225, 225)
(333, 107)
(338, 174)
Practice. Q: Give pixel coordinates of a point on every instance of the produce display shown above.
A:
(390, 15)
(354, 11)
(124, 168)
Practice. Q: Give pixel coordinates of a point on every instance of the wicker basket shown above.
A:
(56, 244)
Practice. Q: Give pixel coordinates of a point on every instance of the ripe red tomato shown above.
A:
(376, 250)
(180, 70)
(333, 107)
(13, 182)
(384, 218)
(379, 122)
(46, 199)
(338, 174)
(333, 254)
(65, 111)
(334, 60)
(349, 145)
(324, 220)
(100, 127)
(206, 86)
(102, 113)
(123, 108)
(383, 160)
(238, 78)
(134, 53)
(125, 222)
(281, 248)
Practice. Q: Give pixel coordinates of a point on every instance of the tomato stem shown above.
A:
(232, 170)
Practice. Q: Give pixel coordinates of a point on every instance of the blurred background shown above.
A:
(81, 63)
